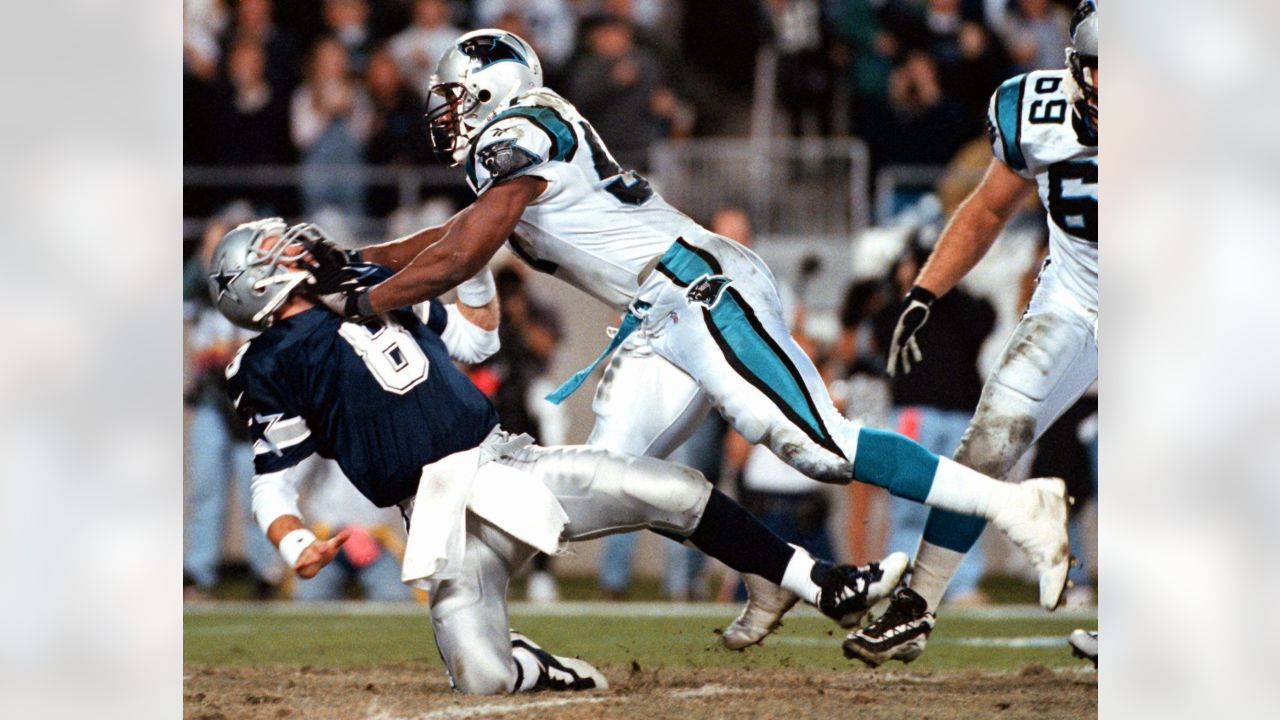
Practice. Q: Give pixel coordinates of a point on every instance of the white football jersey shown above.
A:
(1035, 131)
(596, 226)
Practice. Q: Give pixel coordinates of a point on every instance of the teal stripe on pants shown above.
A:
(759, 358)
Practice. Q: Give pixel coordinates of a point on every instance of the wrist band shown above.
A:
(364, 306)
(921, 294)
(479, 290)
(293, 543)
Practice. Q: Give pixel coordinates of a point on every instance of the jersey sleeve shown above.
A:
(521, 141)
(281, 438)
(1004, 125)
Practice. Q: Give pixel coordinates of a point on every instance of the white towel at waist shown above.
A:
(511, 499)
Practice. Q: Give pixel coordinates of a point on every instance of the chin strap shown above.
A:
(289, 280)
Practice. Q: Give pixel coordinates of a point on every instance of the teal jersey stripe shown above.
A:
(564, 143)
(1009, 120)
(760, 359)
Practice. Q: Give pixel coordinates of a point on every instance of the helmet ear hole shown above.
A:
(484, 96)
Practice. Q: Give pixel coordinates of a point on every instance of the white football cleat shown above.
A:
(1036, 521)
(1084, 644)
(560, 673)
(766, 604)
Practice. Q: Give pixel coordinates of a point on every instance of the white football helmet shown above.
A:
(483, 72)
(1082, 56)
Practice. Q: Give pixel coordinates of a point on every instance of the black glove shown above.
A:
(325, 255)
(345, 289)
(903, 349)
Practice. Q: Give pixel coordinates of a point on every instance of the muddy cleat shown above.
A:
(560, 673)
(766, 604)
(1084, 644)
(1036, 521)
(848, 591)
(899, 634)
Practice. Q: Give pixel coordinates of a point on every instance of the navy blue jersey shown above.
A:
(383, 399)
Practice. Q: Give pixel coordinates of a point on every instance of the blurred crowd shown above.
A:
(335, 88)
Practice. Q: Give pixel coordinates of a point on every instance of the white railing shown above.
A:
(811, 187)
(408, 181)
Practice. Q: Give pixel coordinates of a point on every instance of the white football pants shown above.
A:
(1050, 361)
(602, 493)
(715, 336)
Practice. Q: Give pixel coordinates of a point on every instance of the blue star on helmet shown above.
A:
(223, 279)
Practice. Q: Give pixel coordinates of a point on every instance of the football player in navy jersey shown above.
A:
(383, 399)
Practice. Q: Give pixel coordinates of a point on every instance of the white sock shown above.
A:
(932, 571)
(530, 670)
(966, 491)
(797, 578)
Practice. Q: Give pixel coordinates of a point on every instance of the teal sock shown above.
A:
(894, 462)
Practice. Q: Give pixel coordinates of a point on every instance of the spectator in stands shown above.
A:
(249, 121)
(933, 403)
(253, 22)
(219, 455)
(250, 117)
(862, 394)
(918, 124)
(550, 26)
(803, 76)
(970, 61)
(418, 48)
(863, 52)
(347, 22)
(331, 120)
(397, 136)
(1036, 32)
(371, 555)
(614, 84)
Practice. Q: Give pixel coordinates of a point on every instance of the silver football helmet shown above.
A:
(483, 71)
(1082, 56)
(255, 268)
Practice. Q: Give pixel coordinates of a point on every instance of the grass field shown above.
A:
(662, 660)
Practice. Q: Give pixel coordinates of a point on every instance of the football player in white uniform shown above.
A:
(702, 324)
(1044, 131)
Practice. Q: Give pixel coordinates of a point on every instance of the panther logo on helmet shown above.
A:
(483, 71)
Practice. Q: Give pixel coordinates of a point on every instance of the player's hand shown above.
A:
(904, 349)
(318, 554)
(342, 289)
(326, 256)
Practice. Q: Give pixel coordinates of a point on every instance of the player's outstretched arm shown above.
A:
(974, 227)
(398, 253)
(472, 237)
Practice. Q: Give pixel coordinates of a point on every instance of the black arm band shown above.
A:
(364, 307)
(919, 293)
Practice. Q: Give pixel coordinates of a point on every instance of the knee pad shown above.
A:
(894, 462)
(997, 436)
(673, 495)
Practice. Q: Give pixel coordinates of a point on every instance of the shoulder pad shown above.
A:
(1004, 125)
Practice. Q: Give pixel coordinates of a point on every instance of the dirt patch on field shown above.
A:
(415, 690)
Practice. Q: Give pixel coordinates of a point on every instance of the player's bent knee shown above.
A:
(995, 440)
(673, 496)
